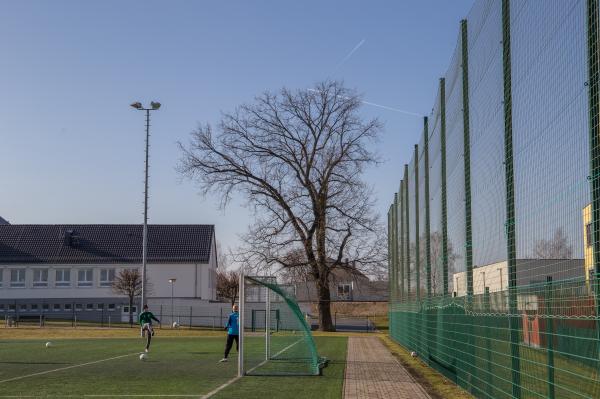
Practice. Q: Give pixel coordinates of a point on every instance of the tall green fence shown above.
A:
(494, 233)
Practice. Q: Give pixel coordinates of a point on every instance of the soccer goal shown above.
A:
(275, 338)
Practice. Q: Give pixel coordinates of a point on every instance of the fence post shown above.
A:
(396, 293)
(426, 315)
(407, 231)
(593, 36)
(443, 184)
(190, 317)
(335, 320)
(550, 337)
(400, 242)
(161, 317)
(417, 260)
(510, 203)
(467, 181)
(488, 341)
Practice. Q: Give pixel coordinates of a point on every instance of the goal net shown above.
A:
(275, 338)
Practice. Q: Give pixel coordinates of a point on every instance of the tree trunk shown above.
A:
(130, 311)
(325, 323)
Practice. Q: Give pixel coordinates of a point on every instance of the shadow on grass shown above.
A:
(29, 362)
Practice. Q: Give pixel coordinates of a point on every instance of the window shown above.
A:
(56, 307)
(588, 234)
(106, 277)
(89, 306)
(40, 277)
(63, 278)
(23, 307)
(344, 290)
(2, 307)
(34, 306)
(17, 278)
(78, 306)
(84, 277)
(12, 307)
(99, 306)
(111, 306)
(68, 306)
(45, 306)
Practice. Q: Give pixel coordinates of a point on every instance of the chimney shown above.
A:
(71, 238)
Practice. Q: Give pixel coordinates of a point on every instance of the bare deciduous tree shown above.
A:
(556, 248)
(228, 283)
(298, 270)
(436, 257)
(129, 283)
(298, 158)
(223, 257)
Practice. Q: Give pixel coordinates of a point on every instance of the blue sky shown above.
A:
(71, 149)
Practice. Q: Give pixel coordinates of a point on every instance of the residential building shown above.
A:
(529, 272)
(68, 268)
(346, 284)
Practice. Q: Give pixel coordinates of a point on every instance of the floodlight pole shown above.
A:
(154, 106)
(145, 232)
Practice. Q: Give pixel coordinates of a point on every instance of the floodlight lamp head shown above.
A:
(155, 105)
(136, 105)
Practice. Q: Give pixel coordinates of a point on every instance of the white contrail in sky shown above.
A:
(402, 111)
(347, 57)
(392, 109)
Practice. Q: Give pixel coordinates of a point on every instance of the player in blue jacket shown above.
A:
(233, 332)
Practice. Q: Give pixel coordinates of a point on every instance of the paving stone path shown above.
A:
(372, 372)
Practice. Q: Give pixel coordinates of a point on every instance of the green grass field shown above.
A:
(176, 366)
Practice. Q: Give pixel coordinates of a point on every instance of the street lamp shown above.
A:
(172, 281)
(154, 105)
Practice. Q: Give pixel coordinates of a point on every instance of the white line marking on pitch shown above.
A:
(234, 379)
(141, 395)
(105, 396)
(66, 368)
(208, 395)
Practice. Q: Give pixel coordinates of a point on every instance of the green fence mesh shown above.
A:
(494, 234)
(284, 344)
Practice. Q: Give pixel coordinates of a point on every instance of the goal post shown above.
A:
(275, 338)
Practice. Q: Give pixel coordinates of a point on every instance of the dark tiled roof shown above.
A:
(104, 243)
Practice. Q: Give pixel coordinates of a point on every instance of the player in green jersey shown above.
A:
(145, 319)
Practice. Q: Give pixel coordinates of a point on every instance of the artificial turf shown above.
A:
(175, 366)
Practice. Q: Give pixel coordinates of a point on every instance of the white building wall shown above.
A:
(192, 281)
(188, 282)
(494, 276)
(51, 290)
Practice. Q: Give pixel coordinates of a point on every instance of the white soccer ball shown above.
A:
(175, 324)
(413, 354)
(48, 344)
(143, 356)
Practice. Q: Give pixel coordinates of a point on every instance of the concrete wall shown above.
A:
(529, 271)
